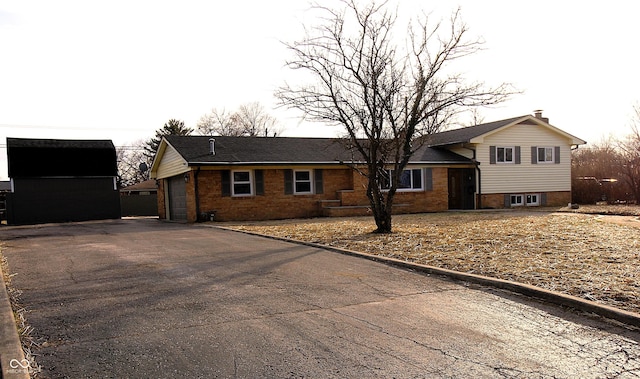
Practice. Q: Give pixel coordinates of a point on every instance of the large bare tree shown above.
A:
(389, 91)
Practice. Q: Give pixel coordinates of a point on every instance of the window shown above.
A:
(516, 200)
(241, 185)
(545, 155)
(409, 180)
(533, 199)
(504, 155)
(302, 182)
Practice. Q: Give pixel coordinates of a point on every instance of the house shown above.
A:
(61, 180)
(522, 161)
(140, 199)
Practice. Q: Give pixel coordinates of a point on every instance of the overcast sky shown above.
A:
(120, 69)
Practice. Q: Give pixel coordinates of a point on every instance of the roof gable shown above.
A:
(477, 133)
(55, 158)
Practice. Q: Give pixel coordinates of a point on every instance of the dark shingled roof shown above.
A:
(195, 150)
(462, 135)
(60, 158)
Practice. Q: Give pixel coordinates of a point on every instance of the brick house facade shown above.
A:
(253, 178)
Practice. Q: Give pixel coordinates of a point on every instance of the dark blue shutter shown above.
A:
(556, 154)
(259, 176)
(288, 182)
(317, 175)
(534, 154)
(492, 155)
(428, 179)
(226, 182)
(517, 155)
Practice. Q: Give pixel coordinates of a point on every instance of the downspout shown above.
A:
(476, 164)
(195, 184)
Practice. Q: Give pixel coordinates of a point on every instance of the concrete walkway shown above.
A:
(141, 298)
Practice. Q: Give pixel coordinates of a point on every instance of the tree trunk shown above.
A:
(380, 206)
(383, 221)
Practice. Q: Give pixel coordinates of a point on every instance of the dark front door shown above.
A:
(462, 188)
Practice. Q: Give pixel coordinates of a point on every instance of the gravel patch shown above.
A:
(590, 256)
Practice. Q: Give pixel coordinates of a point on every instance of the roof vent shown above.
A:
(212, 146)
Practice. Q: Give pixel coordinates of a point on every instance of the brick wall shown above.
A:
(554, 199)
(162, 210)
(339, 184)
(274, 204)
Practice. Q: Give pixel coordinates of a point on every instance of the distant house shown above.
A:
(61, 180)
(140, 199)
(522, 161)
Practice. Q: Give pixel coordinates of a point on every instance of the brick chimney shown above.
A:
(538, 114)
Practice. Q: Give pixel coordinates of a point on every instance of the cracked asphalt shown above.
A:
(142, 298)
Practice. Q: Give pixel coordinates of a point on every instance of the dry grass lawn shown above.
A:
(590, 256)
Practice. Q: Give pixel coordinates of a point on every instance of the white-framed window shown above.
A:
(410, 180)
(533, 199)
(517, 200)
(302, 182)
(241, 183)
(546, 155)
(504, 154)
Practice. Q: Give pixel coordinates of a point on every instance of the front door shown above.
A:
(462, 188)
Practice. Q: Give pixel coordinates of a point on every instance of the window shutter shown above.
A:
(556, 154)
(534, 154)
(226, 182)
(288, 182)
(428, 179)
(517, 154)
(543, 199)
(507, 201)
(492, 155)
(259, 176)
(317, 176)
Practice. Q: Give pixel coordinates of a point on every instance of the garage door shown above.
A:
(177, 198)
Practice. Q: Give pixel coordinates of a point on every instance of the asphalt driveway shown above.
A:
(142, 298)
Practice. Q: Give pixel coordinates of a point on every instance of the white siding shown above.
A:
(462, 151)
(171, 164)
(525, 177)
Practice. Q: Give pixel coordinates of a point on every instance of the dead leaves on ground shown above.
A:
(566, 252)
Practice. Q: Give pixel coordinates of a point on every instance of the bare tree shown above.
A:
(255, 121)
(388, 99)
(629, 149)
(132, 161)
(249, 120)
(218, 122)
(595, 174)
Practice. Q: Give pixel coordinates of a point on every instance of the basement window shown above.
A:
(517, 200)
(533, 199)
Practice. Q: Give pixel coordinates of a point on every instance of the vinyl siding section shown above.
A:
(525, 177)
(462, 151)
(171, 164)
